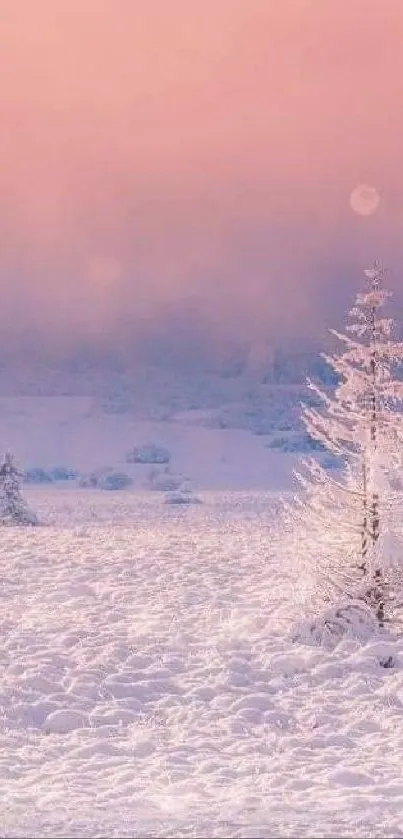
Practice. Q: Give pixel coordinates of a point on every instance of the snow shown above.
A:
(152, 683)
(150, 686)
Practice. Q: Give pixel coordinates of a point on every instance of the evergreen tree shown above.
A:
(13, 508)
(349, 519)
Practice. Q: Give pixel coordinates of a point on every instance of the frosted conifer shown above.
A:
(13, 507)
(351, 521)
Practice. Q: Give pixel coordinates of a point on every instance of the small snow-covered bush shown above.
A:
(37, 475)
(106, 478)
(63, 473)
(351, 618)
(115, 481)
(13, 508)
(183, 495)
(148, 453)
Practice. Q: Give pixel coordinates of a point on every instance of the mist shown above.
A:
(175, 178)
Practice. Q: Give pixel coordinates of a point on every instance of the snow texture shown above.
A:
(150, 685)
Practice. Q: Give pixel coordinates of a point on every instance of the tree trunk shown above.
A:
(364, 531)
(376, 591)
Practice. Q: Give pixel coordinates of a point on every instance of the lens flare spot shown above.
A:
(364, 200)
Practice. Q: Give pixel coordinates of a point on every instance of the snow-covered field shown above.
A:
(73, 431)
(150, 688)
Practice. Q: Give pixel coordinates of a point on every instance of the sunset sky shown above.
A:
(164, 157)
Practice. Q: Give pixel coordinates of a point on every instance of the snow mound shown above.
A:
(349, 619)
(64, 720)
(181, 497)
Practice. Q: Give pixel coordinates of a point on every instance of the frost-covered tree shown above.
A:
(13, 507)
(350, 521)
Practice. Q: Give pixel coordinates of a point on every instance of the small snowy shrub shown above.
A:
(13, 507)
(351, 618)
(115, 481)
(148, 453)
(181, 497)
(106, 478)
(63, 473)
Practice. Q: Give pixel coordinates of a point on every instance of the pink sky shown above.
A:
(152, 151)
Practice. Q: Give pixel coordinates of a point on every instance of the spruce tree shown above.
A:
(13, 507)
(348, 518)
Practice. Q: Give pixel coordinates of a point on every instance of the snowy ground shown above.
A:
(149, 686)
